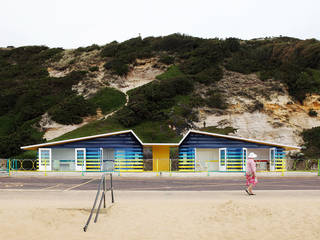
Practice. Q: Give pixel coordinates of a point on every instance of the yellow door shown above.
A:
(161, 156)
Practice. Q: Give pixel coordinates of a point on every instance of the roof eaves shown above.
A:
(289, 147)
(75, 140)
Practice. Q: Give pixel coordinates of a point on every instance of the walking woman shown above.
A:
(251, 173)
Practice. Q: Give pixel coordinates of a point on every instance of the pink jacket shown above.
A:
(251, 167)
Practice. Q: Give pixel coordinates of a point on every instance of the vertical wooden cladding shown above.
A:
(161, 158)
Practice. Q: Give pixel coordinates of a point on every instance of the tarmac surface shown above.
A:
(157, 183)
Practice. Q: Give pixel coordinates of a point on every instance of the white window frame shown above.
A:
(101, 159)
(272, 159)
(46, 166)
(244, 161)
(223, 168)
(83, 166)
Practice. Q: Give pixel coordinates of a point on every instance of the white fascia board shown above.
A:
(161, 144)
(136, 137)
(184, 137)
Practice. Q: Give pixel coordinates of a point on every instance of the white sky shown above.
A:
(75, 23)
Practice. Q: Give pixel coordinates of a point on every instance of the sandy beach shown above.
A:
(161, 215)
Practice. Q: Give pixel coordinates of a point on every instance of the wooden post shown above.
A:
(9, 166)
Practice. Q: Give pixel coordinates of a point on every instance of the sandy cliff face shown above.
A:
(142, 72)
(280, 120)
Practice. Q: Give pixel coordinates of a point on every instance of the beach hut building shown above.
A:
(204, 151)
(117, 151)
(123, 151)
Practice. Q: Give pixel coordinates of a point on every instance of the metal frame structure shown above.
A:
(101, 187)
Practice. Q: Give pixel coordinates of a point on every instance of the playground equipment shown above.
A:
(101, 187)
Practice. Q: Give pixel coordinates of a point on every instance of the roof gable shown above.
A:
(76, 142)
(235, 139)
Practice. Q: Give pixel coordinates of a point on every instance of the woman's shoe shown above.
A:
(247, 192)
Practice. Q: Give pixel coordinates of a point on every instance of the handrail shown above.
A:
(103, 185)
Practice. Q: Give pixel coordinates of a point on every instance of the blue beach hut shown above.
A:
(117, 151)
(123, 151)
(204, 151)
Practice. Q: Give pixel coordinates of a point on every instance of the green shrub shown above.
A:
(312, 113)
(215, 100)
(176, 43)
(166, 59)
(94, 69)
(311, 138)
(194, 65)
(117, 67)
(232, 44)
(110, 50)
(87, 49)
(71, 110)
(209, 75)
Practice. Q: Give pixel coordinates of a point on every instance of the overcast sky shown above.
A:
(75, 23)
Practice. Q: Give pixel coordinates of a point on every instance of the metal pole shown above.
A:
(9, 164)
(318, 167)
(111, 188)
(104, 191)
(94, 205)
(99, 206)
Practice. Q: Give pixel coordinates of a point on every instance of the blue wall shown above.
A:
(196, 140)
(125, 140)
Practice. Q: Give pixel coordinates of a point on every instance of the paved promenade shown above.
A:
(158, 183)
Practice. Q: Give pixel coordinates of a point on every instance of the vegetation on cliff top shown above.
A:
(28, 91)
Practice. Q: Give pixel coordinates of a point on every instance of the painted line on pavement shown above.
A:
(51, 186)
(81, 184)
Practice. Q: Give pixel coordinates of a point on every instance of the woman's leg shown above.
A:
(250, 188)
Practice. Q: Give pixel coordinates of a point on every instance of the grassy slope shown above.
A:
(108, 99)
(148, 131)
(293, 61)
